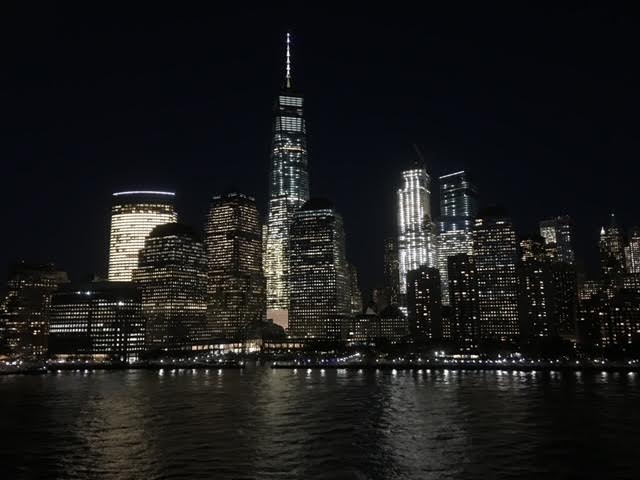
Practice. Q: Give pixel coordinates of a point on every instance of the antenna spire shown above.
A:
(288, 62)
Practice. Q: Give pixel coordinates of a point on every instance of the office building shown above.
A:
(319, 279)
(464, 301)
(632, 251)
(288, 191)
(355, 295)
(558, 231)
(612, 262)
(27, 305)
(392, 271)
(100, 321)
(172, 274)
(133, 215)
(236, 291)
(424, 303)
(495, 255)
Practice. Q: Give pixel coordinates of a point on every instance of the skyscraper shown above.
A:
(319, 279)
(99, 320)
(416, 231)
(632, 251)
(288, 191)
(355, 295)
(133, 215)
(463, 298)
(612, 264)
(559, 232)
(458, 204)
(392, 271)
(27, 305)
(236, 285)
(424, 302)
(172, 275)
(495, 255)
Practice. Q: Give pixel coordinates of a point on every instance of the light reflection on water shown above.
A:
(336, 423)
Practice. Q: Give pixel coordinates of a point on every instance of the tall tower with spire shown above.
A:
(288, 191)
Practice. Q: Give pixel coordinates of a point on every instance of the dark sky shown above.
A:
(539, 103)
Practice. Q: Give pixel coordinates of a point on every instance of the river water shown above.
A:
(335, 424)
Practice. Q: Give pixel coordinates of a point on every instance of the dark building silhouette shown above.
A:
(236, 287)
(391, 271)
(355, 295)
(464, 301)
(424, 302)
(612, 262)
(27, 304)
(172, 275)
(98, 321)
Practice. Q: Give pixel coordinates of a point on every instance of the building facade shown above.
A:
(27, 307)
(236, 290)
(97, 321)
(319, 279)
(632, 251)
(495, 255)
(288, 191)
(464, 301)
(416, 231)
(612, 261)
(355, 295)
(558, 231)
(133, 215)
(392, 271)
(424, 302)
(172, 275)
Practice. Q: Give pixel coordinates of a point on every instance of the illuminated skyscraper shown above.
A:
(355, 295)
(288, 191)
(99, 320)
(27, 305)
(559, 232)
(133, 215)
(172, 275)
(458, 205)
(612, 262)
(495, 255)
(319, 277)
(236, 286)
(391, 271)
(632, 251)
(416, 231)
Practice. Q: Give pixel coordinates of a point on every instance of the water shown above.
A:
(277, 424)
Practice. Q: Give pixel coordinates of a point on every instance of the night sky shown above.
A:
(539, 104)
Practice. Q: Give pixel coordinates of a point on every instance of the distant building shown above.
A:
(424, 302)
(535, 299)
(319, 290)
(392, 271)
(391, 324)
(495, 255)
(27, 307)
(533, 248)
(355, 295)
(612, 263)
(416, 231)
(458, 205)
(588, 289)
(558, 231)
(464, 301)
(632, 251)
(172, 275)
(236, 288)
(620, 320)
(133, 215)
(98, 321)
(564, 298)
(288, 191)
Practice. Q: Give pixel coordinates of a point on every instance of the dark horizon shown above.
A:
(536, 103)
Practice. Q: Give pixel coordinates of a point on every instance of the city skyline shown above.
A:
(329, 148)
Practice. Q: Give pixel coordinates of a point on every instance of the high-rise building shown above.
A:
(559, 232)
(99, 320)
(288, 191)
(535, 300)
(424, 302)
(458, 206)
(416, 231)
(172, 274)
(564, 298)
(318, 280)
(612, 263)
(355, 295)
(464, 301)
(133, 215)
(391, 271)
(236, 286)
(632, 251)
(495, 255)
(27, 305)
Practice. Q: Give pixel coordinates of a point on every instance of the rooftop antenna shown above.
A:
(288, 62)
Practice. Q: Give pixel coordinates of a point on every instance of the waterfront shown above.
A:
(270, 423)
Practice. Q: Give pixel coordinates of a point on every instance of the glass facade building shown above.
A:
(133, 215)
(27, 307)
(172, 274)
(98, 321)
(632, 251)
(319, 277)
(288, 191)
(458, 207)
(495, 255)
(558, 231)
(416, 231)
(236, 289)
